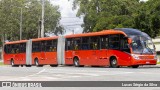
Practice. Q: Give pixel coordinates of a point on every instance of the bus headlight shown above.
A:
(135, 56)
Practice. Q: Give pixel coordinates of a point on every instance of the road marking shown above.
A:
(27, 77)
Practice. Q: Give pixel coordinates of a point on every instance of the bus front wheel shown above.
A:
(135, 66)
(113, 63)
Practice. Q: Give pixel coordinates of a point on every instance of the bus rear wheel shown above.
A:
(135, 66)
(113, 63)
(76, 62)
(52, 65)
(12, 64)
(37, 63)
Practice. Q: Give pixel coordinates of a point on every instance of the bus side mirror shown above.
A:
(129, 40)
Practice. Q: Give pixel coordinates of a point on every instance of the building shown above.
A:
(156, 42)
(0, 52)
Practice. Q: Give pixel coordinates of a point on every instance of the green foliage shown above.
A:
(10, 12)
(148, 18)
(106, 14)
(109, 14)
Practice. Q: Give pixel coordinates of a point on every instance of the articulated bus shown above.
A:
(113, 48)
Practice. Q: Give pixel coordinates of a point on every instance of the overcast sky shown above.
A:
(69, 19)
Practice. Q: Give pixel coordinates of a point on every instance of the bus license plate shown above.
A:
(147, 62)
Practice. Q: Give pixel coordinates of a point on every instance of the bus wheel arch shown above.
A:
(113, 62)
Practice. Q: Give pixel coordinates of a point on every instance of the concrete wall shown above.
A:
(156, 42)
(0, 52)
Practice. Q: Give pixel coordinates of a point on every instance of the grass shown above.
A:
(1, 63)
(158, 62)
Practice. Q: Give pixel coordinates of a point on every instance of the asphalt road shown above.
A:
(70, 73)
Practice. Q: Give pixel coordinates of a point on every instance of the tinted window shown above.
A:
(104, 42)
(94, 43)
(114, 42)
(36, 47)
(51, 45)
(69, 44)
(85, 43)
(77, 43)
(22, 47)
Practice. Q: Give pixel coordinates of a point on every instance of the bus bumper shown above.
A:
(144, 62)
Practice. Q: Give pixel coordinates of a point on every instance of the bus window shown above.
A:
(69, 44)
(43, 45)
(22, 47)
(94, 43)
(85, 43)
(54, 46)
(15, 48)
(36, 47)
(104, 42)
(77, 43)
(48, 45)
(6, 49)
(124, 44)
(114, 42)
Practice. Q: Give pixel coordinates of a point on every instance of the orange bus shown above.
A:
(114, 48)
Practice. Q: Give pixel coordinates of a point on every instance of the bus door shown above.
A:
(22, 53)
(50, 52)
(69, 47)
(95, 46)
(17, 55)
(103, 52)
(43, 54)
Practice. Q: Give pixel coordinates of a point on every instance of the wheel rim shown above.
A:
(114, 62)
(76, 62)
(37, 63)
(12, 63)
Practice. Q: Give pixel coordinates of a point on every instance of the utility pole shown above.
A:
(42, 22)
(39, 28)
(21, 25)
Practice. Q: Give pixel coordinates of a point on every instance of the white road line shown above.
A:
(27, 77)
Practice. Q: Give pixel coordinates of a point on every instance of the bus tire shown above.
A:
(28, 65)
(76, 62)
(54, 65)
(12, 64)
(135, 66)
(37, 63)
(113, 63)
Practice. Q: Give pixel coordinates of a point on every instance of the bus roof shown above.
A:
(45, 38)
(16, 42)
(104, 32)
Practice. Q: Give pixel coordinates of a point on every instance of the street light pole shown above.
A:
(42, 23)
(21, 25)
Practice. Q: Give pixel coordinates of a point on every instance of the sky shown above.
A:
(69, 20)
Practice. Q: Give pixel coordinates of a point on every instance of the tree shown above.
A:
(106, 14)
(10, 12)
(148, 18)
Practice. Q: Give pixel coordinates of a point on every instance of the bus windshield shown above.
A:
(142, 45)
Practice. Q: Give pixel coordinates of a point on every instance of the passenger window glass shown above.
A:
(114, 42)
(94, 43)
(85, 43)
(104, 42)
